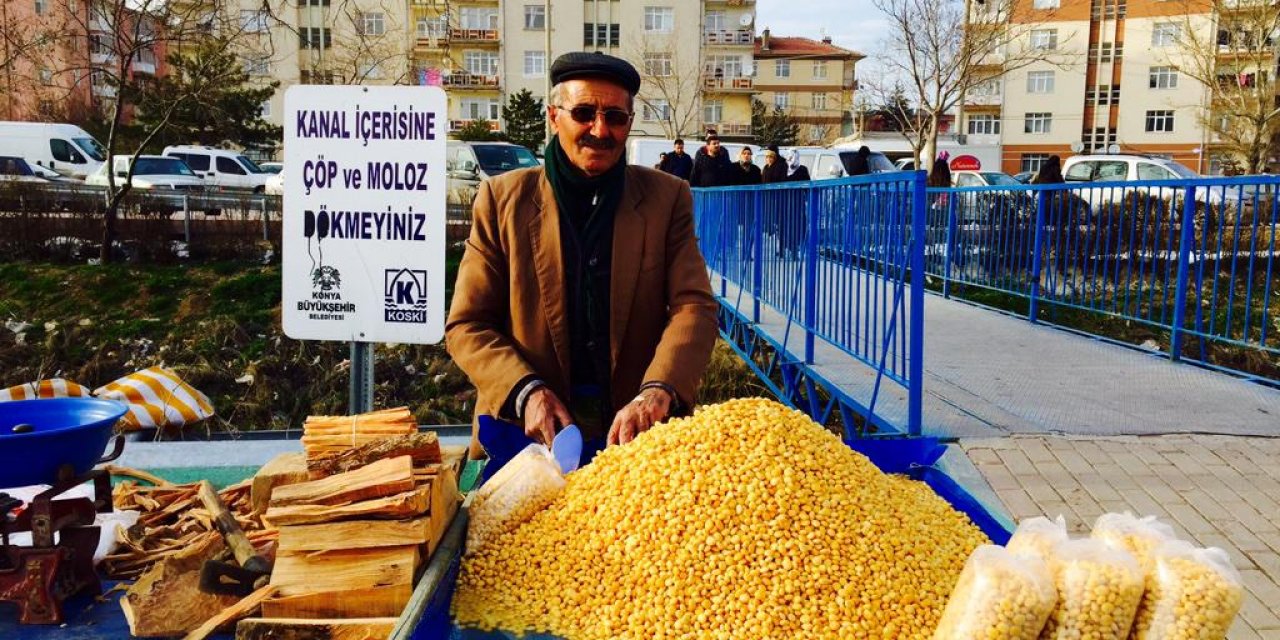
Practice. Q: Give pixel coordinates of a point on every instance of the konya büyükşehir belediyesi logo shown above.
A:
(405, 295)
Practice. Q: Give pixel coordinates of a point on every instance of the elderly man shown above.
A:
(582, 296)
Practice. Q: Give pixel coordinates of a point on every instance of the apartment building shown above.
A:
(1095, 76)
(812, 80)
(61, 54)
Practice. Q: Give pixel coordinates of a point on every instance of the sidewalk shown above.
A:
(1221, 491)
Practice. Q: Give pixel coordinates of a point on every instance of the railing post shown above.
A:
(915, 365)
(186, 220)
(1037, 254)
(949, 250)
(1184, 265)
(262, 204)
(810, 280)
(757, 255)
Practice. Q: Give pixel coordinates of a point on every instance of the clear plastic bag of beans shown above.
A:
(1000, 595)
(520, 489)
(1193, 594)
(1099, 588)
(1139, 536)
(1038, 536)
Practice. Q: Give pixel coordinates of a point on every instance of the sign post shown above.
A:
(364, 219)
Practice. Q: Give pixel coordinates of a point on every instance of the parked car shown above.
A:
(467, 163)
(1128, 168)
(275, 185)
(16, 170)
(824, 164)
(1024, 176)
(983, 179)
(64, 148)
(271, 167)
(221, 168)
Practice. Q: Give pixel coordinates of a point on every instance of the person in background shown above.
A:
(796, 172)
(1050, 172)
(662, 160)
(860, 164)
(940, 176)
(775, 170)
(582, 296)
(744, 172)
(711, 166)
(676, 162)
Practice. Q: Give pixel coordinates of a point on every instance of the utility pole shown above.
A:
(546, 62)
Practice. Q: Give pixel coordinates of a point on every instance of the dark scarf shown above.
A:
(587, 206)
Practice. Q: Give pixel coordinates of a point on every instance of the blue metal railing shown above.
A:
(835, 260)
(1198, 258)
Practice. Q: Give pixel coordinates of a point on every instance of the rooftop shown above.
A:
(788, 47)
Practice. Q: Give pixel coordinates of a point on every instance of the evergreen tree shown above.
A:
(477, 131)
(213, 102)
(526, 121)
(776, 127)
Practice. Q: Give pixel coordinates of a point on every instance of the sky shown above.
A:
(813, 18)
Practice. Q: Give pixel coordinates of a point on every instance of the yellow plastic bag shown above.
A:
(1038, 536)
(1099, 588)
(520, 489)
(1000, 596)
(1194, 594)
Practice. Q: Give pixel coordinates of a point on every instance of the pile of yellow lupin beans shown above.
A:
(746, 520)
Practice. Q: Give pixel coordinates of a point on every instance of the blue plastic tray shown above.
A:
(71, 431)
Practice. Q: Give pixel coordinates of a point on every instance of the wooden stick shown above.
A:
(129, 472)
(242, 609)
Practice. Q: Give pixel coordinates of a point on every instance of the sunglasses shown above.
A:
(587, 115)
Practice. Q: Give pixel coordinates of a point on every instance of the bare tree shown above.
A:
(938, 55)
(1227, 47)
(672, 80)
(35, 48)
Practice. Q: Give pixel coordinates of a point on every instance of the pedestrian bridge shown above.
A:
(845, 296)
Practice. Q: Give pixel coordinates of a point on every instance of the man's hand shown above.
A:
(649, 407)
(542, 412)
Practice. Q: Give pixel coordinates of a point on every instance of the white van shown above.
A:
(64, 148)
(221, 168)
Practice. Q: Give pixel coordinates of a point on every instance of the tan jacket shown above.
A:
(508, 318)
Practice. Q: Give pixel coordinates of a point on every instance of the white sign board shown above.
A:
(364, 213)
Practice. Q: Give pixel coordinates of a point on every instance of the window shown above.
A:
(657, 110)
(782, 100)
(257, 66)
(313, 3)
(535, 64)
(315, 76)
(227, 165)
(1165, 34)
(819, 101)
(1160, 121)
(782, 68)
(41, 7)
(599, 34)
(1046, 4)
(535, 17)
(263, 111)
(1043, 38)
(1164, 78)
(479, 18)
(100, 44)
(715, 21)
(479, 108)
(62, 151)
(984, 124)
(46, 76)
(1039, 82)
(371, 24)
(724, 66)
(314, 38)
(657, 65)
(820, 69)
(1106, 52)
(1037, 122)
(712, 111)
(659, 19)
(369, 71)
(255, 21)
(1148, 171)
(428, 28)
(986, 88)
(480, 63)
(1033, 161)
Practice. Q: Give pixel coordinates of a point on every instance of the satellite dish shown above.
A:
(1077, 146)
(745, 20)
(1115, 148)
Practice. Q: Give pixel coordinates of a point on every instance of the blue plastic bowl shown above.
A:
(71, 431)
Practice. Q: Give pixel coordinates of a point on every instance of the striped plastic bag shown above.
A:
(44, 389)
(157, 397)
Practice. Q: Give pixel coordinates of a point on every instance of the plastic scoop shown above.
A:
(566, 448)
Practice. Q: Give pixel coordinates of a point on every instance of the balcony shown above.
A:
(481, 36)
(430, 43)
(463, 80)
(736, 3)
(455, 125)
(103, 91)
(983, 100)
(730, 38)
(730, 84)
(728, 128)
(141, 66)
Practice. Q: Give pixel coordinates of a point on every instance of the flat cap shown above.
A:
(582, 64)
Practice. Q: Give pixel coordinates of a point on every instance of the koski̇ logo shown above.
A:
(405, 296)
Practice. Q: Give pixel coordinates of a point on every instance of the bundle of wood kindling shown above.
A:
(172, 519)
(324, 435)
